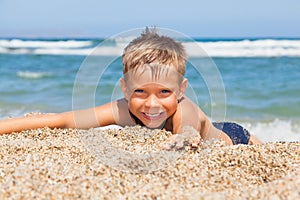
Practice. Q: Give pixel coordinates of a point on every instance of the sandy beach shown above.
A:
(127, 164)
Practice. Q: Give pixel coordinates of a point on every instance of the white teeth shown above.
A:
(152, 115)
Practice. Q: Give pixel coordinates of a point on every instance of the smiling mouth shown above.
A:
(153, 116)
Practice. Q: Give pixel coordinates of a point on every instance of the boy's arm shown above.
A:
(206, 129)
(214, 133)
(84, 119)
(32, 122)
(190, 115)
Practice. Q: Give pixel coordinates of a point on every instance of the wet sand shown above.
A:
(128, 163)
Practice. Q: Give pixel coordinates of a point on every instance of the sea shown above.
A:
(251, 81)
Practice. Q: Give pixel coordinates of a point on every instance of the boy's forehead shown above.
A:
(140, 78)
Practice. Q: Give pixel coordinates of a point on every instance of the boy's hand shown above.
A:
(188, 137)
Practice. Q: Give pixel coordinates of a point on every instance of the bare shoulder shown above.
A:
(190, 108)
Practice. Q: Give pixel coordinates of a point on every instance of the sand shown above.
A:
(128, 164)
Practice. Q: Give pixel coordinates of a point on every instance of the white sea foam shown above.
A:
(16, 43)
(243, 48)
(274, 131)
(32, 75)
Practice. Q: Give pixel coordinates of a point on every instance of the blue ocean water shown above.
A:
(257, 83)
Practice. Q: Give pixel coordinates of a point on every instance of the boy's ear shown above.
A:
(123, 87)
(183, 86)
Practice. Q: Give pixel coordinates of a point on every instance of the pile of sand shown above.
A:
(128, 163)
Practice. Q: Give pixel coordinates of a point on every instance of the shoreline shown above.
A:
(67, 163)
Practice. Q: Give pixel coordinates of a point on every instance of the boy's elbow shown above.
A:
(77, 119)
(214, 133)
(253, 140)
(226, 138)
(66, 120)
(58, 120)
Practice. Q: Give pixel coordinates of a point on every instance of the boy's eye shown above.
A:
(165, 91)
(139, 91)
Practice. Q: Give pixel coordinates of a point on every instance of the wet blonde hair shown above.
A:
(150, 48)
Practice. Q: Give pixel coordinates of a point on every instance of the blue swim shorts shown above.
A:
(237, 133)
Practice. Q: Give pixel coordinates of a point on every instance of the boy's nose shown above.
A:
(152, 101)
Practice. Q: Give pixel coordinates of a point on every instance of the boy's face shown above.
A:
(153, 100)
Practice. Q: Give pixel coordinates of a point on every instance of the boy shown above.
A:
(153, 86)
